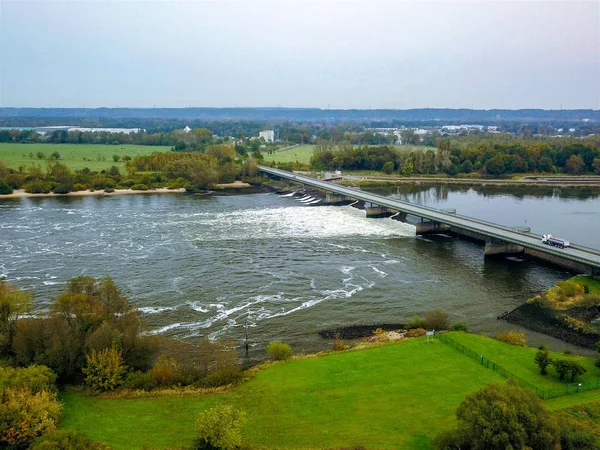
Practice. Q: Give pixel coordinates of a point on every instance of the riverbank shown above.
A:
(20, 193)
(571, 182)
(567, 312)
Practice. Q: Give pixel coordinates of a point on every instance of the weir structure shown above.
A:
(499, 240)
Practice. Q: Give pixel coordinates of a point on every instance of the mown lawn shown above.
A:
(519, 360)
(75, 156)
(393, 396)
(301, 153)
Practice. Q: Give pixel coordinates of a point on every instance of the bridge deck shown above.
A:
(577, 253)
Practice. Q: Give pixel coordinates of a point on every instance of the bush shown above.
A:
(590, 300)
(116, 158)
(220, 428)
(450, 440)
(576, 369)
(25, 415)
(38, 187)
(542, 359)
(104, 370)
(65, 440)
(459, 326)
(165, 372)
(503, 416)
(338, 344)
(436, 320)
(139, 187)
(61, 189)
(35, 378)
(574, 436)
(79, 187)
(280, 351)
(138, 380)
(415, 322)
(513, 337)
(5, 188)
(562, 367)
(416, 332)
(223, 377)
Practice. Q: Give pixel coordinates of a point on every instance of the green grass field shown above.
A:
(302, 154)
(519, 361)
(75, 156)
(393, 396)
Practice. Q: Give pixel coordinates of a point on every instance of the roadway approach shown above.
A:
(499, 240)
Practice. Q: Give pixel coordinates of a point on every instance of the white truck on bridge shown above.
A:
(554, 241)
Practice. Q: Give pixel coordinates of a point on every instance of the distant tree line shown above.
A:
(486, 156)
(157, 131)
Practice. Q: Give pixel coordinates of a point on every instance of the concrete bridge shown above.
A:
(499, 240)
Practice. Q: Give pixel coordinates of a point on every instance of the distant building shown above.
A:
(187, 129)
(267, 135)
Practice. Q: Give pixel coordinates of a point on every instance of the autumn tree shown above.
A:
(13, 304)
(575, 165)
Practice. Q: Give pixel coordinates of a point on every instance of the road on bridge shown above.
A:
(580, 254)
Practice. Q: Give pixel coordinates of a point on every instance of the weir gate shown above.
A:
(499, 240)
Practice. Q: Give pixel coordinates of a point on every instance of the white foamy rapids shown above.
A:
(299, 221)
(155, 309)
(53, 283)
(381, 273)
(263, 307)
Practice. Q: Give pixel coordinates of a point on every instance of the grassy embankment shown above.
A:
(393, 396)
(96, 157)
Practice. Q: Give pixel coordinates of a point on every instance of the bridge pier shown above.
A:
(335, 199)
(375, 212)
(401, 217)
(495, 249)
(424, 228)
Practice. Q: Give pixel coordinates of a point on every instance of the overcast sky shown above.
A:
(300, 53)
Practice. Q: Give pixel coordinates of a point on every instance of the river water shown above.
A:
(203, 266)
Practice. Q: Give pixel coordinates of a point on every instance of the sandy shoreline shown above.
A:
(20, 193)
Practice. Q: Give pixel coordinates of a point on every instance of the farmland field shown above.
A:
(75, 156)
(303, 153)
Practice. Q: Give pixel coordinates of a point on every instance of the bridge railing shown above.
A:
(567, 389)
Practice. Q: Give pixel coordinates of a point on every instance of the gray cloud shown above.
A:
(342, 54)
